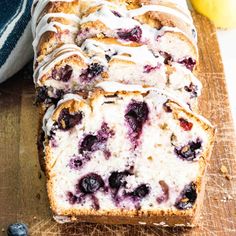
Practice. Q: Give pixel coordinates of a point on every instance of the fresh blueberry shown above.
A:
(141, 191)
(187, 197)
(91, 72)
(189, 151)
(17, 229)
(67, 121)
(134, 34)
(136, 115)
(116, 179)
(90, 183)
(188, 62)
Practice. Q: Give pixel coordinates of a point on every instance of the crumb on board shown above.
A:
(3, 230)
(39, 175)
(35, 218)
(227, 198)
(38, 196)
(224, 171)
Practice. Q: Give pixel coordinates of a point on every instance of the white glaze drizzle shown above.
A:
(44, 20)
(39, 27)
(112, 87)
(113, 22)
(105, 15)
(146, 8)
(136, 53)
(36, 10)
(56, 56)
(51, 27)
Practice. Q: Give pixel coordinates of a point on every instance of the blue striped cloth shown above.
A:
(15, 36)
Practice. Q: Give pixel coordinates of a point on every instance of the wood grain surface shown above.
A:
(22, 184)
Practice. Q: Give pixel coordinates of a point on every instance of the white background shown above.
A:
(227, 42)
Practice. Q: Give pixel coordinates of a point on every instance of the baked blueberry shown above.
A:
(116, 13)
(72, 198)
(17, 229)
(187, 197)
(141, 191)
(63, 74)
(188, 62)
(92, 143)
(90, 183)
(67, 121)
(91, 72)
(88, 143)
(191, 89)
(189, 152)
(117, 179)
(149, 68)
(136, 115)
(134, 34)
(75, 163)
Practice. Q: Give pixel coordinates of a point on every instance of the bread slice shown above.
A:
(112, 20)
(126, 157)
(71, 68)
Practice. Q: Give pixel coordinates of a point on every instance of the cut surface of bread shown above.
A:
(128, 157)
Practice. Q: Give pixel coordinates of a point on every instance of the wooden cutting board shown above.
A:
(22, 184)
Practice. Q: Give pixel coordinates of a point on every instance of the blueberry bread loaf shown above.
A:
(80, 43)
(125, 157)
(116, 87)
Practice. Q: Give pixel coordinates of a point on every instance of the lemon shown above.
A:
(221, 12)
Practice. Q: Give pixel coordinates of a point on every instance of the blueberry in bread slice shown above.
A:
(125, 157)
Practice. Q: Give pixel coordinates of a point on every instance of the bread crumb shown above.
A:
(3, 230)
(227, 198)
(35, 218)
(224, 169)
(163, 126)
(150, 158)
(39, 175)
(225, 173)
